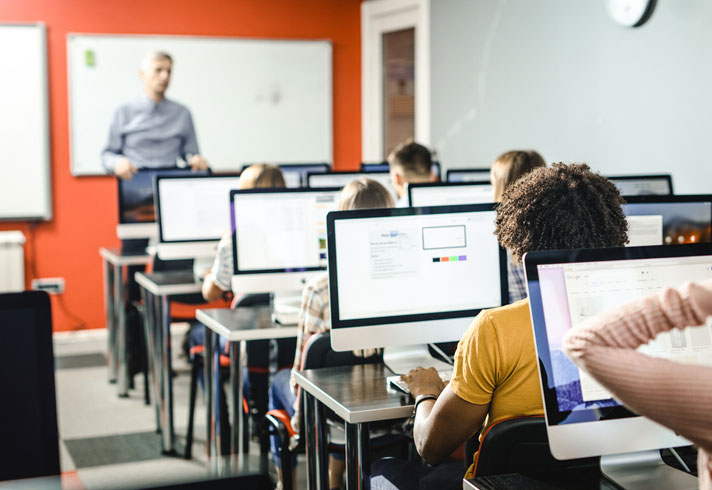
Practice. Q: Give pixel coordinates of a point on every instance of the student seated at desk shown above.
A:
(509, 167)
(495, 373)
(676, 395)
(409, 163)
(315, 317)
(216, 282)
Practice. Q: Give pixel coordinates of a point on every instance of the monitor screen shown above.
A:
(385, 167)
(410, 268)
(280, 230)
(468, 174)
(192, 209)
(295, 174)
(340, 179)
(568, 287)
(669, 220)
(643, 185)
(452, 193)
(29, 446)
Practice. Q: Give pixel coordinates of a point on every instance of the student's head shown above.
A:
(156, 73)
(562, 207)
(409, 163)
(365, 194)
(510, 166)
(261, 175)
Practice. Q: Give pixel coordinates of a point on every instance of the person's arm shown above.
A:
(441, 425)
(217, 281)
(190, 151)
(673, 394)
(112, 157)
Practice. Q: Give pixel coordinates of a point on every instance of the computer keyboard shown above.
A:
(285, 317)
(400, 385)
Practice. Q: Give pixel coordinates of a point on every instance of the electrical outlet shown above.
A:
(53, 285)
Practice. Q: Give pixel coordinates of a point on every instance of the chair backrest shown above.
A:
(519, 445)
(29, 439)
(319, 354)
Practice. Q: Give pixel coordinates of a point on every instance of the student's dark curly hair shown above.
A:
(562, 207)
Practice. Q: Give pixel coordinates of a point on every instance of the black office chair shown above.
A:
(519, 445)
(317, 354)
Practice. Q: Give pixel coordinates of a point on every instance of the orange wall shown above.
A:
(85, 208)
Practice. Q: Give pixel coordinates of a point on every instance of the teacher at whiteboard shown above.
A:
(151, 131)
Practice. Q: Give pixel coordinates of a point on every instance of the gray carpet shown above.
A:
(80, 361)
(116, 449)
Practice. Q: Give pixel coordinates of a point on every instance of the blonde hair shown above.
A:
(261, 175)
(510, 166)
(365, 194)
(411, 160)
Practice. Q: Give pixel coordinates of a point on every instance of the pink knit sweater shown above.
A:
(676, 395)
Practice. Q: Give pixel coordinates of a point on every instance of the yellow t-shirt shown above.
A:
(496, 364)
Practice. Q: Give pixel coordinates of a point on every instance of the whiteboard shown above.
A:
(24, 126)
(251, 100)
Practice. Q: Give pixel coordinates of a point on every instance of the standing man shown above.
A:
(151, 131)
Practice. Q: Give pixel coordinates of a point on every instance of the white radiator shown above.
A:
(12, 261)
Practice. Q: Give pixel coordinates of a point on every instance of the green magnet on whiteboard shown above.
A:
(89, 57)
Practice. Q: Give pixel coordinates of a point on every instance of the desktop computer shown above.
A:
(340, 179)
(279, 240)
(643, 185)
(402, 278)
(435, 168)
(137, 215)
(468, 174)
(193, 213)
(668, 220)
(583, 419)
(449, 193)
(295, 174)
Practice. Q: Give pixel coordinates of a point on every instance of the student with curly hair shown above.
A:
(495, 373)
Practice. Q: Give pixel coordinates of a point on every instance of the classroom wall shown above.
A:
(85, 208)
(562, 77)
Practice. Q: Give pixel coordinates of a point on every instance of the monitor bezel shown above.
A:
(442, 184)
(39, 302)
(531, 260)
(332, 217)
(463, 170)
(266, 191)
(665, 177)
(302, 165)
(157, 202)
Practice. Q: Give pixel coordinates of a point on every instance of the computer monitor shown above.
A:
(435, 168)
(449, 193)
(279, 238)
(137, 215)
(566, 288)
(193, 214)
(467, 174)
(411, 276)
(643, 185)
(29, 446)
(340, 179)
(295, 174)
(668, 220)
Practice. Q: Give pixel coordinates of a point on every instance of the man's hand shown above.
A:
(423, 381)
(124, 169)
(197, 162)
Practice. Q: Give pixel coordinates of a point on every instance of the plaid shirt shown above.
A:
(517, 280)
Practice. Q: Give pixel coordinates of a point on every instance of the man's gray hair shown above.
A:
(152, 56)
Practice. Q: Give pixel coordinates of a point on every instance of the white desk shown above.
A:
(156, 289)
(237, 326)
(116, 300)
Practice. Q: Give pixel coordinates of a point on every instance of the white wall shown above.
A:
(561, 77)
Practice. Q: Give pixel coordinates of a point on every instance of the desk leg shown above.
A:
(122, 382)
(218, 404)
(310, 435)
(167, 364)
(238, 431)
(211, 450)
(149, 327)
(358, 462)
(322, 447)
(110, 319)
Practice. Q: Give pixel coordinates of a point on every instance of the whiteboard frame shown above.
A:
(72, 35)
(47, 214)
